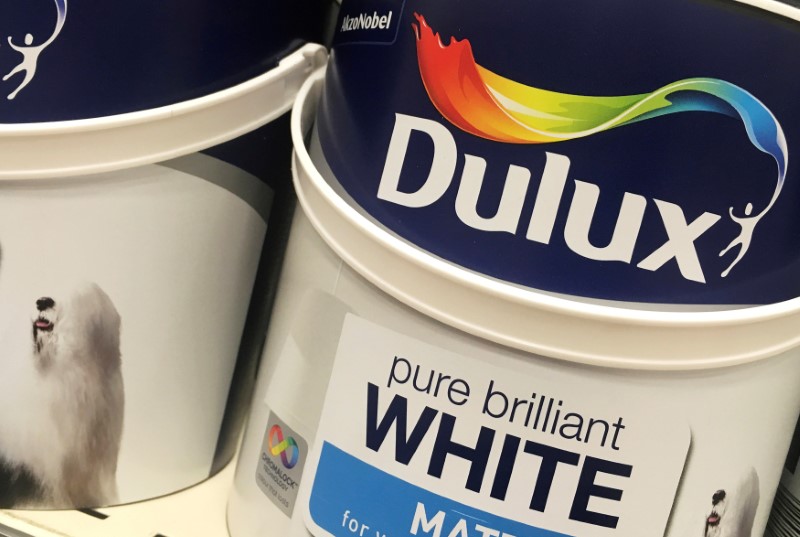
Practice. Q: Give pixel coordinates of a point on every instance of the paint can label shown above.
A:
(615, 155)
(131, 311)
(65, 60)
(436, 443)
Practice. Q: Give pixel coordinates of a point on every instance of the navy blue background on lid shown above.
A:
(702, 162)
(112, 57)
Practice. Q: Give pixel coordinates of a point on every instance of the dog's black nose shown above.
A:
(717, 497)
(45, 303)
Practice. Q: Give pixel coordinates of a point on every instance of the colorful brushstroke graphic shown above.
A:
(278, 445)
(487, 105)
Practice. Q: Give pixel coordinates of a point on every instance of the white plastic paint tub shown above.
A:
(138, 256)
(403, 394)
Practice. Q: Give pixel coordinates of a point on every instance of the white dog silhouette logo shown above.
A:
(31, 52)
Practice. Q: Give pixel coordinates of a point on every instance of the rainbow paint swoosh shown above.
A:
(490, 106)
(278, 445)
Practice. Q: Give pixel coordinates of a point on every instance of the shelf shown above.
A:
(198, 511)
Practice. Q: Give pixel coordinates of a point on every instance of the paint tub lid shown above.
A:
(655, 173)
(83, 146)
(63, 60)
(578, 331)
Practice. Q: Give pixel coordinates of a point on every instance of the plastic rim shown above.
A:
(780, 7)
(66, 148)
(524, 319)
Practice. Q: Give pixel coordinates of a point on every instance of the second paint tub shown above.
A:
(145, 194)
(401, 394)
(544, 279)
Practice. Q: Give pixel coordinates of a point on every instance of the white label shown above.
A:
(455, 446)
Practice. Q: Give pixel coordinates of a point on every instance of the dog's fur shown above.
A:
(62, 405)
(733, 513)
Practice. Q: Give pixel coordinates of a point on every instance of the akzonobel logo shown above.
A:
(365, 21)
(30, 47)
(485, 104)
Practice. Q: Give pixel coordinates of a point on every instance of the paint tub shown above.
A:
(76, 59)
(138, 257)
(403, 394)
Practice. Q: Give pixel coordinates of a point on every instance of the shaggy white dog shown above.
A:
(62, 404)
(733, 512)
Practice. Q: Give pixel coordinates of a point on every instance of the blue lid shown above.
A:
(76, 59)
(633, 151)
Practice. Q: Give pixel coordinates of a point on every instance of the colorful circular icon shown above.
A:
(285, 447)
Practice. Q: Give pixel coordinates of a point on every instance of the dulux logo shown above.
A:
(505, 111)
(541, 222)
(30, 51)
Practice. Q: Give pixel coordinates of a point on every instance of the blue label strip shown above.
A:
(351, 497)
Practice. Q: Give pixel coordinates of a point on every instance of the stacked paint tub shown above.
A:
(145, 198)
(544, 278)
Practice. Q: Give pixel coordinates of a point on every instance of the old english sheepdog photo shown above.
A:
(61, 401)
(733, 512)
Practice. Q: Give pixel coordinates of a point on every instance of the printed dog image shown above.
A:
(733, 512)
(62, 403)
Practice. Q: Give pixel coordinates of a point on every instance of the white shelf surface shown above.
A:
(198, 511)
